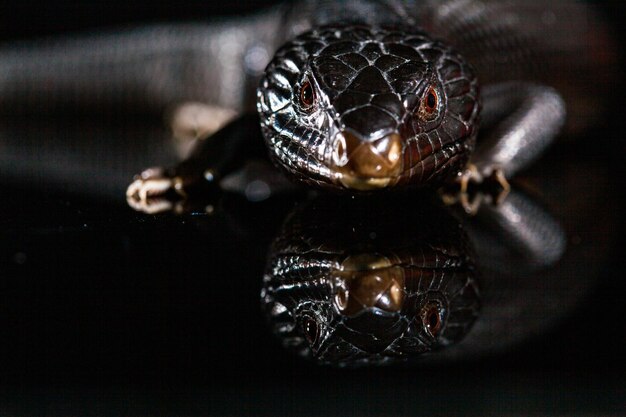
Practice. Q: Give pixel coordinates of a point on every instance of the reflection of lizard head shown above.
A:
(348, 288)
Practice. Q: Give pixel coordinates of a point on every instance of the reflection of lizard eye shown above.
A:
(311, 330)
(429, 105)
(431, 318)
(307, 95)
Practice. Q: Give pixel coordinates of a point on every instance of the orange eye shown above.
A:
(431, 319)
(429, 105)
(307, 95)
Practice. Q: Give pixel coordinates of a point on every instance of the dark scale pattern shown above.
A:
(369, 81)
(303, 278)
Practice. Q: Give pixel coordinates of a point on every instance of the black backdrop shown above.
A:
(27, 19)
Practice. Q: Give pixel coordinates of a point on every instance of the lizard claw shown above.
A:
(505, 188)
(469, 175)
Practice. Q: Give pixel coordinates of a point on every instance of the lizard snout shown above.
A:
(366, 165)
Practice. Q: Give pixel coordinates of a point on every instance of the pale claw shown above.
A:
(147, 193)
(151, 206)
(471, 201)
(498, 175)
(469, 174)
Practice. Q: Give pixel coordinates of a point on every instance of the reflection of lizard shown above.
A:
(361, 287)
(354, 107)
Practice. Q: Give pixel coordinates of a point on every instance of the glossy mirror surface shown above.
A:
(96, 295)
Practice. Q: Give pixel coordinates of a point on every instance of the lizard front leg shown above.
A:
(164, 189)
(521, 120)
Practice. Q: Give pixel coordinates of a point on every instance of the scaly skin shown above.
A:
(370, 94)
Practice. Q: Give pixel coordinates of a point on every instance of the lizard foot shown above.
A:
(153, 191)
(472, 188)
(157, 191)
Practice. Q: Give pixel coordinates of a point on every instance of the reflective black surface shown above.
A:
(107, 311)
(103, 305)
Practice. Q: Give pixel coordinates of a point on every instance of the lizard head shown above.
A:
(362, 108)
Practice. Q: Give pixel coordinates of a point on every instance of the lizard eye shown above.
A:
(311, 330)
(429, 106)
(307, 95)
(431, 319)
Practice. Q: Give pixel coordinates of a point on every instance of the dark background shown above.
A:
(31, 19)
(93, 323)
